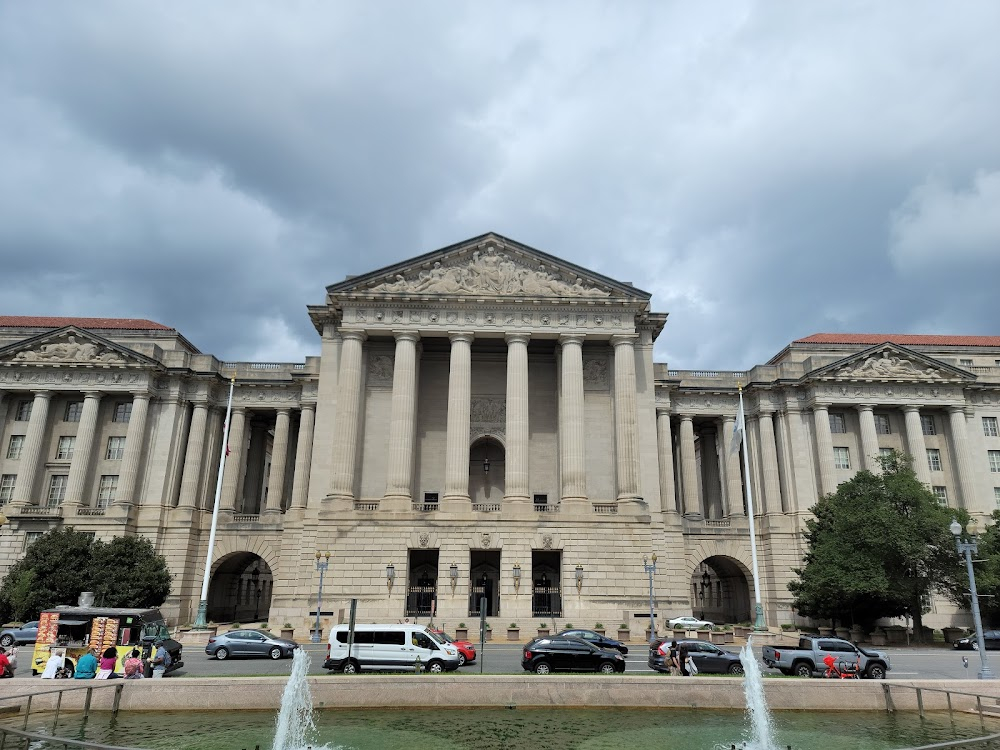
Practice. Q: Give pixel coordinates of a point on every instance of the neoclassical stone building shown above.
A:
(485, 424)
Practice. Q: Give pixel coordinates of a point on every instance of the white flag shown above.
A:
(739, 429)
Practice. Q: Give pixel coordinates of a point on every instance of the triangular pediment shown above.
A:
(72, 346)
(890, 362)
(487, 266)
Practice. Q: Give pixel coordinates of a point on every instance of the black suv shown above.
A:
(707, 657)
(592, 636)
(565, 653)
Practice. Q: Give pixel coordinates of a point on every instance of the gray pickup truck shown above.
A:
(807, 659)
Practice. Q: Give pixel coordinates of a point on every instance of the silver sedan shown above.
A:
(249, 642)
(27, 633)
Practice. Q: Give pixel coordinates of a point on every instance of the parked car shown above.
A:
(466, 650)
(27, 633)
(251, 642)
(568, 654)
(990, 637)
(393, 646)
(807, 659)
(708, 657)
(689, 623)
(592, 636)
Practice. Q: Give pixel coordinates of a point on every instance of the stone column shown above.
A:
(456, 471)
(689, 467)
(82, 450)
(516, 479)
(824, 449)
(233, 470)
(279, 459)
(711, 479)
(253, 482)
(665, 446)
(771, 500)
(345, 448)
(805, 491)
(869, 438)
(303, 456)
(572, 443)
(399, 469)
(963, 459)
(193, 457)
(31, 453)
(915, 443)
(733, 470)
(128, 473)
(626, 419)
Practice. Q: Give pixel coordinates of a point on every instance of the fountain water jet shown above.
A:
(295, 720)
(761, 725)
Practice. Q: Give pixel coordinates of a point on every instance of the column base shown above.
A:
(396, 503)
(339, 503)
(271, 512)
(578, 505)
(632, 506)
(456, 504)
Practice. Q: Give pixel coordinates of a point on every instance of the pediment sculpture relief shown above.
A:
(70, 350)
(888, 366)
(490, 273)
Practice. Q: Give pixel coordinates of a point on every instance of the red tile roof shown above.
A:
(125, 324)
(903, 339)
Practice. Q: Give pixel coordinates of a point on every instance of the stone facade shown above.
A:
(485, 425)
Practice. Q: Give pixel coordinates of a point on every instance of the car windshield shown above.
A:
(155, 629)
(436, 637)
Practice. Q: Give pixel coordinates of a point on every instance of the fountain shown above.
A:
(761, 724)
(295, 719)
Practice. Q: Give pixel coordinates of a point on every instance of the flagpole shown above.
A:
(201, 620)
(759, 609)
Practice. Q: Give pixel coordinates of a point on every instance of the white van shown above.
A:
(395, 647)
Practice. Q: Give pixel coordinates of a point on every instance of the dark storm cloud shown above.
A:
(766, 170)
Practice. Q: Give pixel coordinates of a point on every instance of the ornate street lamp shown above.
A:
(517, 577)
(579, 578)
(967, 548)
(650, 569)
(322, 563)
(255, 582)
(390, 576)
(453, 575)
(706, 584)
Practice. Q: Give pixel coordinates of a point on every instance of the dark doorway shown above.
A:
(240, 590)
(720, 591)
(421, 586)
(546, 594)
(485, 582)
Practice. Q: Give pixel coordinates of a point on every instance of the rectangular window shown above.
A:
(990, 426)
(14, 447)
(123, 412)
(841, 458)
(882, 424)
(430, 497)
(884, 452)
(994, 461)
(30, 537)
(7, 482)
(23, 412)
(116, 448)
(74, 410)
(942, 495)
(965, 362)
(57, 489)
(927, 425)
(996, 496)
(541, 499)
(934, 459)
(64, 451)
(838, 423)
(107, 490)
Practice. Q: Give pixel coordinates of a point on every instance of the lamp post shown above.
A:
(706, 582)
(650, 568)
(322, 563)
(255, 582)
(967, 548)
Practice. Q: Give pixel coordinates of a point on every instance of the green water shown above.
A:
(514, 729)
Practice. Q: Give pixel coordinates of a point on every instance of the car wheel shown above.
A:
(735, 668)
(222, 653)
(607, 667)
(975, 646)
(435, 666)
(275, 653)
(543, 667)
(350, 667)
(802, 669)
(461, 659)
(875, 672)
(7, 640)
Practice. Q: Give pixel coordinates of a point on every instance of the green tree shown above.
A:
(988, 573)
(878, 547)
(127, 572)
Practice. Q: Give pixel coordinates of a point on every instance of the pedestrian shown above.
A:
(54, 665)
(675, 664)
(86, 668)
(133, 666)
(161, 660)
(6, 670)
(109, 659)
(682, 660)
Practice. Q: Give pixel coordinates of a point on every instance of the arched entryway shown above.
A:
(486, 471)
(720, 591)
(241, 589)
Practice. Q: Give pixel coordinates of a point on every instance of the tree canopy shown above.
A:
(59, 565)
(988, 572)
(879, 547)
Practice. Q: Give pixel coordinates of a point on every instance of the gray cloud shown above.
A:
(766, 170)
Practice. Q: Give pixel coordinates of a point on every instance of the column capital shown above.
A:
(661, 410)
(93, 395)
(623, 339)
(911, 409)
(413, 336)
(821, 406)
(571, 338)
(283, 410)
(141, 395)
(865, 407)
(239, 410)
(687, 417)
(764, 411)
(45, 395)
(517, 337)
(354, 335)
(728, 418)
(953, 408)
(466, 336)
(308, 406)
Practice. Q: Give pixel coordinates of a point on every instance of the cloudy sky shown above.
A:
(765, 170)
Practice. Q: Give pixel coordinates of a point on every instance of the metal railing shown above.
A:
(890, 706)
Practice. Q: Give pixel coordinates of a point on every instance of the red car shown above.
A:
(466, 651)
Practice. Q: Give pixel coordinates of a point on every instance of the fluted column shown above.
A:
(516, 481)
(303, 456)
(710, 472)
(31, 453)
(771, 501)
(279, 460)
(689, 467)
(915, 443)
(960, 449)
(869, 439)
(665, 449)
(399, 470)
(824, 449)
(82, 450)
(572, 444)
(345, 449)
(456, 468)
(626, 419)
(734, 475)
(134, 435)
(234, 461)
(193, 457)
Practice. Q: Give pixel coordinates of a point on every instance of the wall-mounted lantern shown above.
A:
(579, 578)
(453, 575)
(517, 577)
(390, 576)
